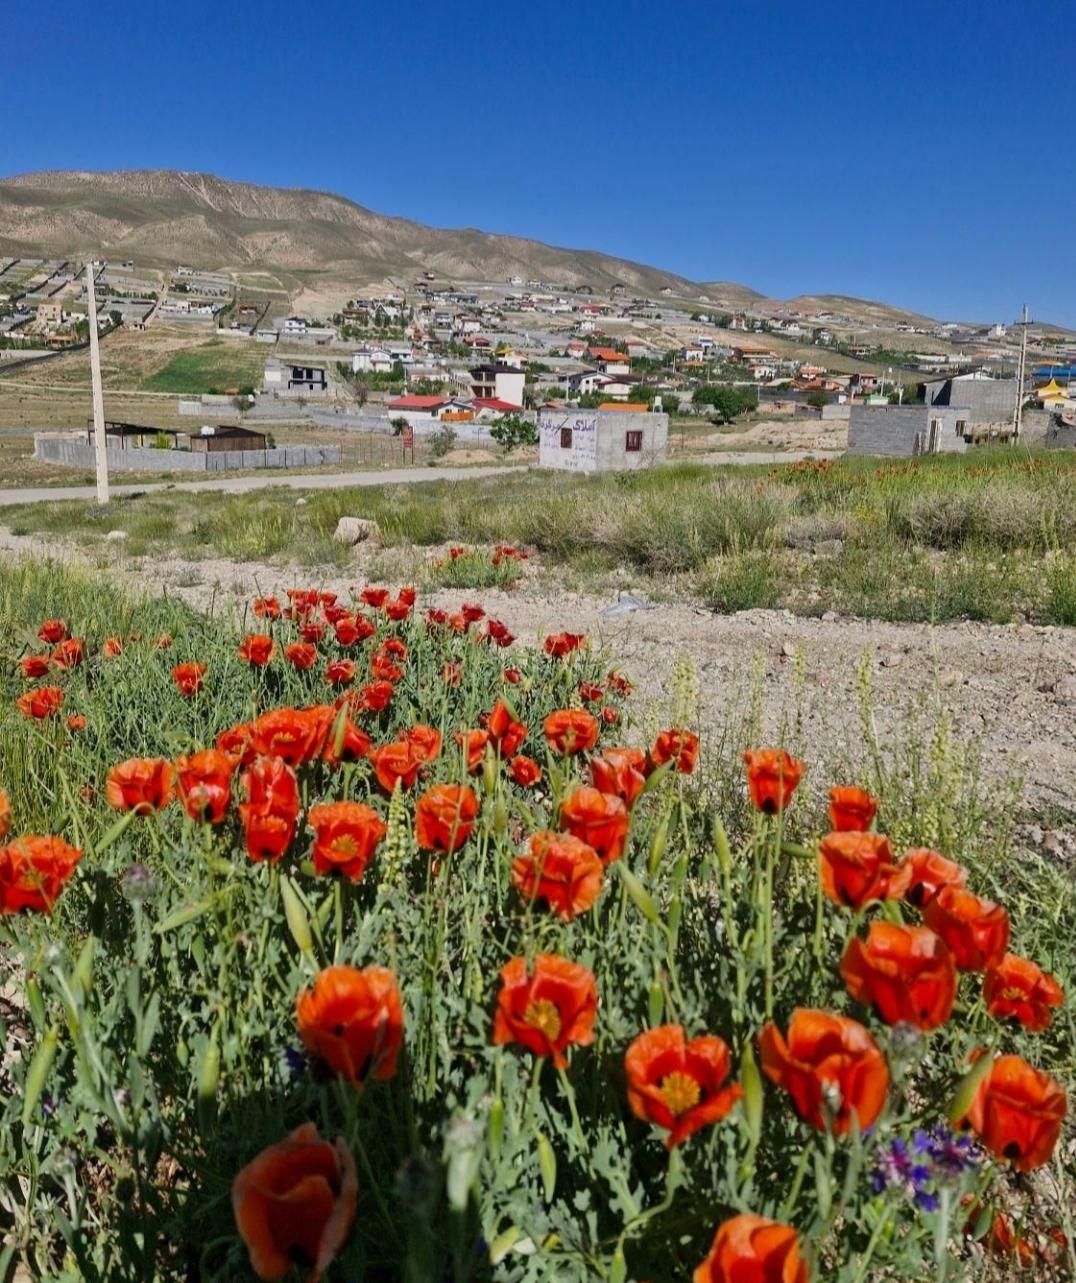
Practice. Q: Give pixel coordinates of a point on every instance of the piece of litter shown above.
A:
(624, 605)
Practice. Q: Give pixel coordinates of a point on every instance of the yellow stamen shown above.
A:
(543, 1016)
(680, 1092)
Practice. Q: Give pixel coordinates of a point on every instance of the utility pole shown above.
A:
(100, 445)
(1018, 409)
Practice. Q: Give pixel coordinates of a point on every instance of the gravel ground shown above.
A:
(1010, 688)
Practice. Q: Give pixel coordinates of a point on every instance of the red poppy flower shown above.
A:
(341, 672)
(751, 1249)
(33, 871)
(619, 683)
(407, 595)
(266, 608)
(1018, 989)
(353, 629)
(435, 617)
(525, 771)
(676, 745)
(620, 772)
(52, 631)
(505, 731)
(444, 817)
(498, 634)
(772, 778)
(392, 762)
(295, 734)
(43, 702)
(5, 815)
(353, 1021)
(334, 613)
(512, 676)
(76, 722)
(571, 730)
(590, 693)
(163, 642)
(375, 597)
(301, 655)
(394, 648)
(851, 810)
(473, 744)
(904, 973)
(205, 784)
(235, 740)
(397, 610)
(270, 814)
(926, 872)
(679, 1084)
(141, 784)
(472, 612)
(560, 870)
(112, 647)
(34, 666)
(383, 669)
(303, 600)
(375, 697)
(69, 653)
(345, 742)
(830, 1065)
(451, 674)
(598, 819)
(1017, 1112)
(294, 1204)
(857, 867)
(345, 835)
(609, 715)
(1002, 1240)
(327, 599)
(312, 631)
(257, 649)
(423, 741)
(547, 1011)
(560, 644)
(977, 931)
(188, 678)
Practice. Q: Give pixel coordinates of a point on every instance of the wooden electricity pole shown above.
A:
(100, 445)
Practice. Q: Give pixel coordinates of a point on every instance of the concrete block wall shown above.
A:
(891, 430)
(599, 439)
(77, 454)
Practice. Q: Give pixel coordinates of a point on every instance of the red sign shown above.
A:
(407, 435)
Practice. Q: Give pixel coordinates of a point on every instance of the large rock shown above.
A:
(353, 530)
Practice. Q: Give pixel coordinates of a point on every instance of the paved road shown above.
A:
(259, 481)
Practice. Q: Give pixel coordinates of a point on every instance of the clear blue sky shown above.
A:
(917, 153)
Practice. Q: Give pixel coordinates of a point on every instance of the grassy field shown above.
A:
(209, 367)
(991, 537)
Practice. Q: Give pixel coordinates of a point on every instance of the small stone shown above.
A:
(829, 616)
(353, 530)
(1052, 843)
(300, 503)
(788, 650)
(950, 677)
(116, 536)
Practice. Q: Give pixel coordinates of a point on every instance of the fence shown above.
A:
(77, 454)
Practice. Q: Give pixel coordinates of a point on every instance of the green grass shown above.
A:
(991, 536)
(211, 366)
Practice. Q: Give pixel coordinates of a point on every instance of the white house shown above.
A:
(374, 361)
(591, 441)
(293, 325)
(498, 382)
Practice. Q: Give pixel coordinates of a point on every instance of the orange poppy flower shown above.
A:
(1017, 1112)
(772, 778)
(560, 644)
(353, 629)
(294, 1204)
(5, 815)
(505, 731)
(303, 600)
(394, 648)
(977, 931)
(444, 817)
(828, 1065)
(375, 697)
(312, 630)
(353, 1021)
(1002, 1240)
(236, 739)
(619, 683)
(43, 702)
(397, 610)
(851, 810)
(548, 1010)
(679, 1084)
(188, 678)
(676, 745)
(270, 814)
(112, 647)
(340, 672)
(525, 771)
(345, 835)
(609, 715)
(512, 676)
(346, 742)
(1018, 989)
(257, 649)
(383, 668)
(69, 654)
(392, 762)
(295, 734)
(560, 870)
(925, 873)
(375, 597)
(620, 772)
(423, 741)
(301, 655)
(76, 722)
(571, 730)
(267, 834)
(33, 871)
(52, 631)
(266, 608)
(904, 973)
(751, 1249)
(205, 784)
(141, 784)
(590, 692)
(856, 868)
(473, 744)
(598, 819)
(34, 666)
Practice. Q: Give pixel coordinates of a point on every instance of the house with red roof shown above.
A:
(609, 360)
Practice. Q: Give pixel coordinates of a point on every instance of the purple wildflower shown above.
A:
(898, 1168)
(951, 1155)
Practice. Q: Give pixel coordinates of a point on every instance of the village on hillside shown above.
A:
(591, 377)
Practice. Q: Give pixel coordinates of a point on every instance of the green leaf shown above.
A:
(640, 896)
(547, 1165)
(751, 1082)
(37, 1073)
(295, 914)
(180, 918)
(967, 1087)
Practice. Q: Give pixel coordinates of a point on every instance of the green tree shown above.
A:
(817, 398)
(513, 430)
